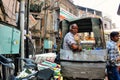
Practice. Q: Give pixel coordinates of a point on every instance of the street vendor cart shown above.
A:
(90, 63)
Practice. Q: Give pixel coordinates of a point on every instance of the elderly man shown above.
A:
(72, 39)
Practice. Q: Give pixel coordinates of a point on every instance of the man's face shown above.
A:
(74, 29)
(115, 38)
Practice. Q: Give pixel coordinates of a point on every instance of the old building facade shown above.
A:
(67, 10)
(88, 12)
(8, 11)
(47, 18)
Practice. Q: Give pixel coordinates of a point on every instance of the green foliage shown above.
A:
(36, 7)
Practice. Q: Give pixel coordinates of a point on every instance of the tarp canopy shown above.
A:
(85, 24)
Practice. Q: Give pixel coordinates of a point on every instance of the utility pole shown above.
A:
(45, 21)
(27, 30)
(22, 19)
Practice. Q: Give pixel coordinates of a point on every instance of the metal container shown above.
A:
(9, 39)
(88, 64)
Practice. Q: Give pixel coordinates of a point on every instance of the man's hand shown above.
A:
(79, 48)
(76, 47)
(77, 38)
(118, 59)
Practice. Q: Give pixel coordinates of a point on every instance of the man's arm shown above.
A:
(76, 47)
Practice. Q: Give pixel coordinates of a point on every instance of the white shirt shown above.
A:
(68, 40)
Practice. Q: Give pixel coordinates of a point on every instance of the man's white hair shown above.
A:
(72, 26)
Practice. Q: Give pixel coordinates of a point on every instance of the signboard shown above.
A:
(47, 44)
(65, 14)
